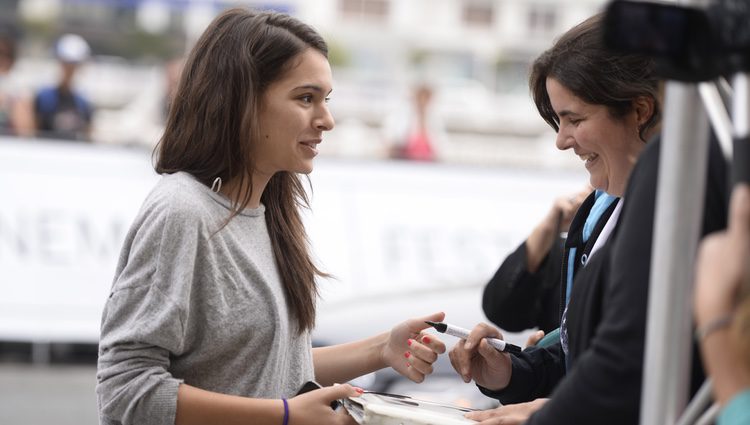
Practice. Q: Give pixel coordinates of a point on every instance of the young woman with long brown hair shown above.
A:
(213, 301)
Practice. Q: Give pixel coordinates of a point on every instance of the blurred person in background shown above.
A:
(172, 73)
(141, 122)
(525, 292)
(210, 313)
(722, 310)
(16, 113)
(60, 111)
(416, 132)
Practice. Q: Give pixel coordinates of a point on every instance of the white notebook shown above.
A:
(392, 409)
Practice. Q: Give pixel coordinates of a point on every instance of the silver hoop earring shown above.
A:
(216, 186)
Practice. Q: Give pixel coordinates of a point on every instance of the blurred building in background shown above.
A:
(473, 53)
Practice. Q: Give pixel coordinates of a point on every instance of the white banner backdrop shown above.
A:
(65, 210)
(401, 238)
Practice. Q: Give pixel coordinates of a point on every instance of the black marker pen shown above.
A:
(462, 333)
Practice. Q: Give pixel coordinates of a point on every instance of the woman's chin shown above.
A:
(304, 168)
(598, 184)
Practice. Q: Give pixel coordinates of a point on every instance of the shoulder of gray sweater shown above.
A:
(180, 197)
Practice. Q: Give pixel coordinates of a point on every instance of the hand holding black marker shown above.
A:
(462, 333)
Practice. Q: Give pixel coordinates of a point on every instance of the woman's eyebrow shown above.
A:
(565, 113)
(313, 87)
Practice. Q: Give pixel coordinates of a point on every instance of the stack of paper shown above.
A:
(391, 409)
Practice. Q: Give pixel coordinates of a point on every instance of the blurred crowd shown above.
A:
(61, 110)
(413, 130)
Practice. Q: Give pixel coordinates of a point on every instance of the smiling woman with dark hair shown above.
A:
(578, 83)
(604, 106)
(581, 63)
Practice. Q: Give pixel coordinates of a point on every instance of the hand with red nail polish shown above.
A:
(420, 350)
(314, 407)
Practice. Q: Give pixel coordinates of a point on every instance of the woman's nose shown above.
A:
(564, 140)
(325, 121)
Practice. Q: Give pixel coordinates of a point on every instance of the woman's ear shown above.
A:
(644, 109)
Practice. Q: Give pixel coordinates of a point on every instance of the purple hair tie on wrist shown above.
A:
(286, 412)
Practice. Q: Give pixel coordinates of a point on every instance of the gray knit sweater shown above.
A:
(191, 306)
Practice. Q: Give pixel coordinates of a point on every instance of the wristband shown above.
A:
(286, 412)
(702, 332)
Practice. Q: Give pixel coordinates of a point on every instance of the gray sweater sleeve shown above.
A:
(143, 320)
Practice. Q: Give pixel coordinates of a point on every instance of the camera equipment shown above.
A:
(688, 43)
